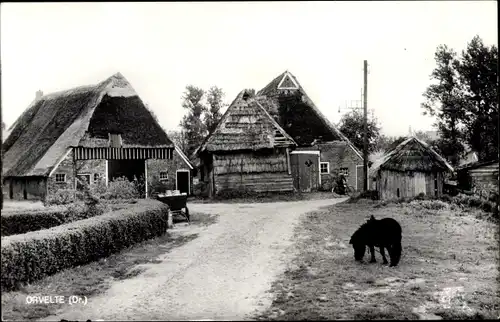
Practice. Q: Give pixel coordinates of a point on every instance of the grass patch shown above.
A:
(267, 197)
(93, 278)
(442, 248)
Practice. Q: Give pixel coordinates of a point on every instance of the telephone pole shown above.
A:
(365, 127)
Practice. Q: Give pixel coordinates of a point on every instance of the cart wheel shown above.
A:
(187, 214)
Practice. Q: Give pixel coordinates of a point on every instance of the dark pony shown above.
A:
(383, 233)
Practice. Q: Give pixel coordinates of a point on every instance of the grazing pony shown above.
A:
(383, 233)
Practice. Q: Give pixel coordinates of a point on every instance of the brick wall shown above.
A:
(340, 156)
(155, 166)
(65, 167)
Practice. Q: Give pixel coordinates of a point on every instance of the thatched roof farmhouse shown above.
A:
(409, 169)
(311, 129)
(247, 150)
(89, 132)
(318, 154)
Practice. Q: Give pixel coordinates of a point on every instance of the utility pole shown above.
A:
(365, 127)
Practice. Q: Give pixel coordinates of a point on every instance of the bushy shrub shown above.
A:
(61, 197)
(232, 193)
(429, 204)
(200, 189)
(160, 186)
(23, 222)
(328, 183)
(31, 256)
(121, 188)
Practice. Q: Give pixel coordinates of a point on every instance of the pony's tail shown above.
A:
(395, 253)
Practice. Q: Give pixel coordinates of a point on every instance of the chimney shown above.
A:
(38, 95)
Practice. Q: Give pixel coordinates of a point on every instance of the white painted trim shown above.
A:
(189, 179)
(283, 79)
(305, 152)
(146, 178)
(106, 174)
(59, 161)
(183, 157)
(357, 178)
(319, 170)
(328, 167)
(288, 161)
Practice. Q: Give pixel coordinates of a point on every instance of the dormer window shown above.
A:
(115, 140)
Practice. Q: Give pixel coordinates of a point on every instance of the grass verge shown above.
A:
(448, 269)
(94, 278)
(268, 197)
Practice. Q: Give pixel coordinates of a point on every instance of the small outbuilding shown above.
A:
(409, 169)
(479, 177)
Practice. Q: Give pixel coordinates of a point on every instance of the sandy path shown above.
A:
(221, 275)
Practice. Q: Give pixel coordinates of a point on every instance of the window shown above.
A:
(81, 180)
(163, 175)
(115, 140)
(344, 171)
(60, 177)
(97, 177)
(324, 167)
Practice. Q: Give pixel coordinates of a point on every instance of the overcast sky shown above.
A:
(162, 47)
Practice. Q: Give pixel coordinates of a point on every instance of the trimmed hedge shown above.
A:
(22, 222)
(31, 256)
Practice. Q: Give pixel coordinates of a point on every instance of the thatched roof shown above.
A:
(55, 122)
(287, 83)
(411, 155)
(246, 125)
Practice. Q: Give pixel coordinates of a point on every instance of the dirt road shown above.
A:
(224, 274)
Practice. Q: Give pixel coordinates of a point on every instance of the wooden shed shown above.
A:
(247, 150)
(411, 168)
(480, 177)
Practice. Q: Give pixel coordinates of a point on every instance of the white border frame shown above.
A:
(283, 79)
(189, 179)
(328, 167)
(83, 174)
(305, 152)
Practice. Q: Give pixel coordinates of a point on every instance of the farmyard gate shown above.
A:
(305, 170)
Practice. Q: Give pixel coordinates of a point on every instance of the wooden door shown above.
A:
(305, 171)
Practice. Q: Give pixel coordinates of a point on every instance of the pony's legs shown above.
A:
(372, 252)
(382, 252)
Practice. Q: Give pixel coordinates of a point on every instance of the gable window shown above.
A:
(60, 177)
(344, 171)
(163, 175)
(324, 167)
(115, 140)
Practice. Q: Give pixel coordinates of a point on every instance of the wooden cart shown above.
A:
(177, 205)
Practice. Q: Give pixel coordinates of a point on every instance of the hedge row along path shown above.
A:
(225, 273)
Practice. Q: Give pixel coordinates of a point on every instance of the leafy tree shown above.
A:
(179, 138)
(478, 77)
(351, 125)
(215, 102)
(464, 100)
(204, 113)
(442, 100)
(192, 122)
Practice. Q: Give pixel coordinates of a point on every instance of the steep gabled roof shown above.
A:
(411, 155)
(246, 125)
(52, 124)
(288, 82)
